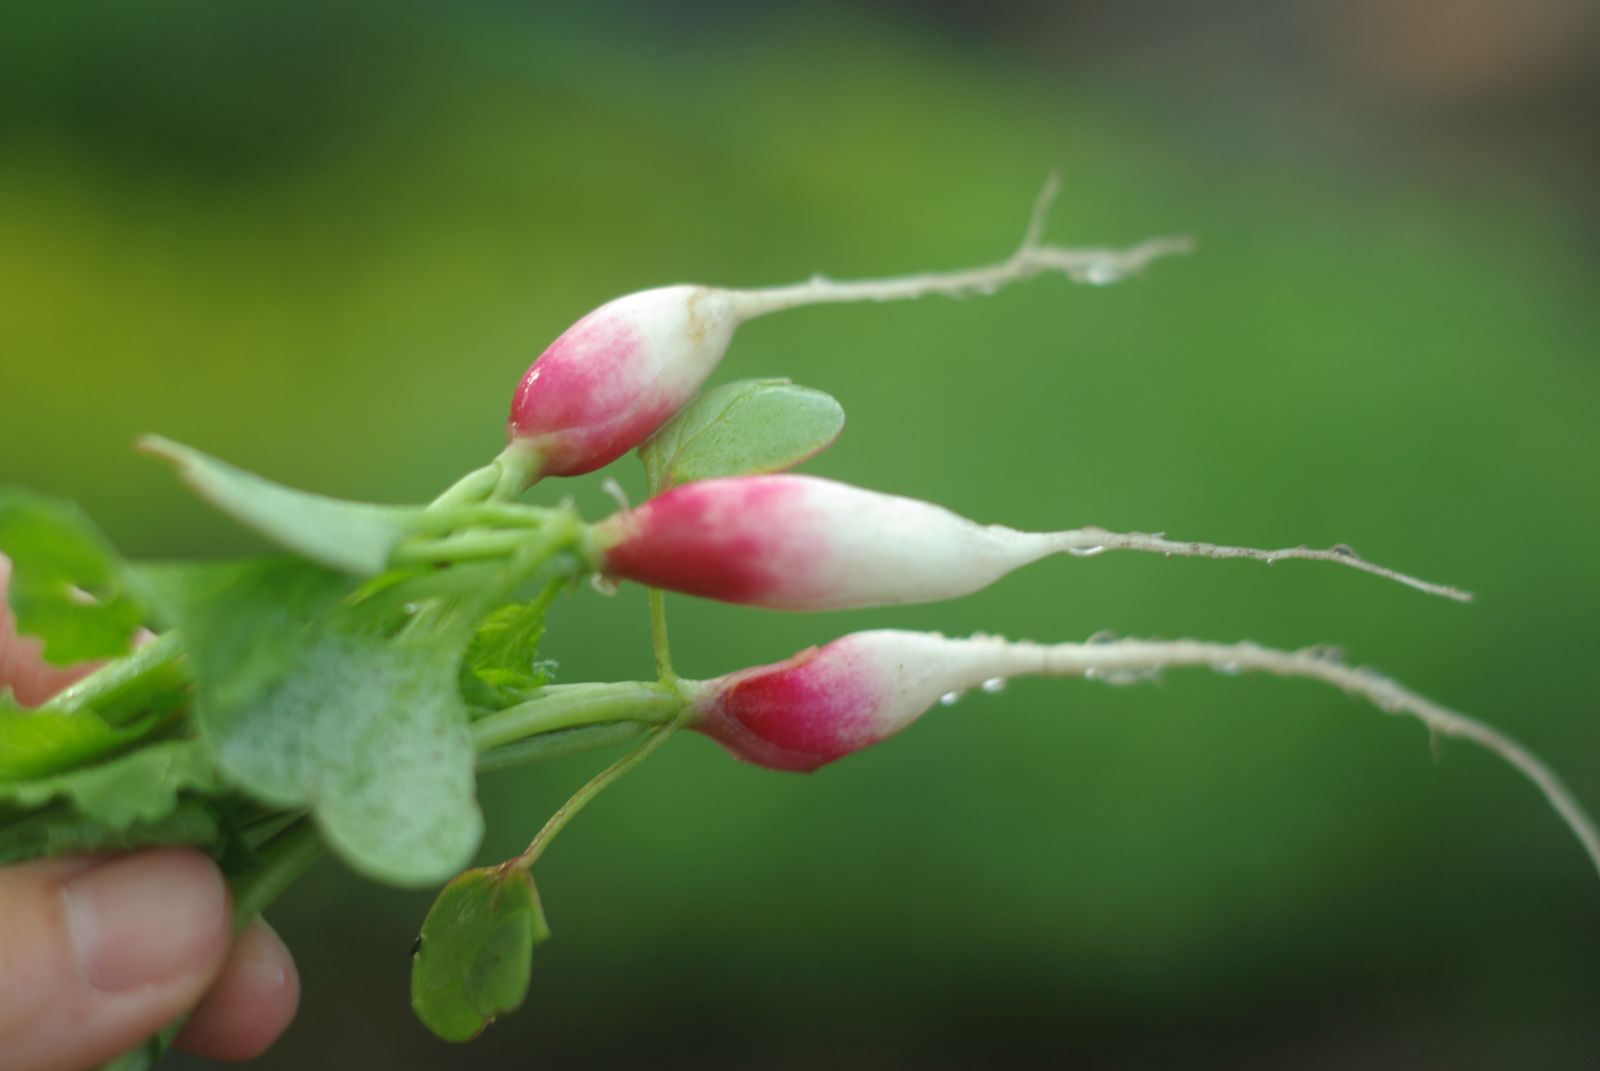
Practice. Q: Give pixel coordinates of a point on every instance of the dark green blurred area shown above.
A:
(324, 242)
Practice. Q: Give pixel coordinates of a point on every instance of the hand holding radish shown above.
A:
(342, 696)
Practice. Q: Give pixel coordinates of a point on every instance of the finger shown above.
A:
(250, 1003)
(97, 954)
(22, 664)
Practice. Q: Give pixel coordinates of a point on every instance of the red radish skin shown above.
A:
(797, 715)
(730, 540)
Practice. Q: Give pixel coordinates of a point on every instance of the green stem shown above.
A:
(283, 859)
(581, 798)
(658, 636)
(514, 470)
(523, 554)
(560, 743)
(437, 521)
(527, 548)
(568, 706)
(474, 487)
(519, 470)
(460, 547)
(127, 681)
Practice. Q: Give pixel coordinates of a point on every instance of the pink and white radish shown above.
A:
(623, 370)
(790, 542)
(827, 702)
(618, 374)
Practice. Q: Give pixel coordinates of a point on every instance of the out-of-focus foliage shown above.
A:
(323, 241)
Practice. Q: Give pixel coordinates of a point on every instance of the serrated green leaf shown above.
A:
(66, 586)
(62, 830)
(38, 743)
(742, 428)
(474, 957)
(352, 537)
(141, 786)
(308, 702)
(501, 667)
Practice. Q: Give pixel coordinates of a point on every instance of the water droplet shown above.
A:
(411, 608)
(1105, 635)
(994, 685)
(949, 699)
(1085, 552)
(1270, 559)
(1230, 669)
(1327, 652)
(603, 584)
(1101, 274)
(1344, 550)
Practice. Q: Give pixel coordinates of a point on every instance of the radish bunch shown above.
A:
(342, 696)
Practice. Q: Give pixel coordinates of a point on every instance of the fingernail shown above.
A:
(148, 918)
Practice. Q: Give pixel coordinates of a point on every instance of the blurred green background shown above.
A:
(323, 241)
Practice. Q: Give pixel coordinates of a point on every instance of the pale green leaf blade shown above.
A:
(307, 703)
(352, 537)
(375, 739)
(743, 428)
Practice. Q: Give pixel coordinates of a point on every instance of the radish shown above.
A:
(827, 702)
(623, 370)
(790, 542)
(618, 374)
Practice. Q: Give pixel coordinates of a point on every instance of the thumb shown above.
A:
(98, 953)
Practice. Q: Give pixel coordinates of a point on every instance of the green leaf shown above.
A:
(473, 959)
(309, 702)
(61, 830)
(243, 621)
(37, 743)
(141, 786)
(352, 537)
(751, 426)
(500, 669)
(66, 584)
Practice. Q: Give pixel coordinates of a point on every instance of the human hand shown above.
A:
(99, 952)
